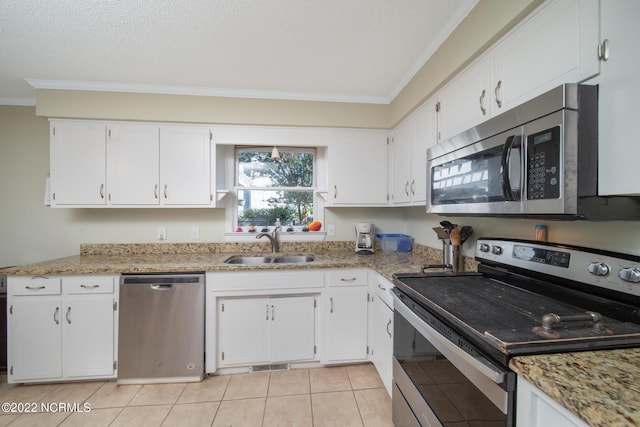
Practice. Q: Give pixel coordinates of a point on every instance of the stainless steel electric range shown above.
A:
(455, 334)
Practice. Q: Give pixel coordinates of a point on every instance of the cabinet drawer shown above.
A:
(346, 278)
(37, 285)
(383, 290)
(88, 285)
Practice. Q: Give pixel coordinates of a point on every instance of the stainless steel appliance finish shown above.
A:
(161, 328)
(454, 334)
(539, 158)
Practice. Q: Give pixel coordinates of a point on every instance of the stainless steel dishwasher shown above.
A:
(161, 328)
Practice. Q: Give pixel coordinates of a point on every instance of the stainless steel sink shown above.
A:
(248, 260)
(293, 259)
(257, 260)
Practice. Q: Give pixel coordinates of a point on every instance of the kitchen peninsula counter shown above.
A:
(163, 258)
(602, 388)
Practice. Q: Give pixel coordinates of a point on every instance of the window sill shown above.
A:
(292, 236)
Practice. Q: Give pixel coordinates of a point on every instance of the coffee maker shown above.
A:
(364, 238)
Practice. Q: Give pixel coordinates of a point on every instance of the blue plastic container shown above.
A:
(395, 242)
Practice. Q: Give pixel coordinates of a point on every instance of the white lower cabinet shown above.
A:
(345, 305)
(381, 329)
(61, 328)
(265, 329)
(537, 409)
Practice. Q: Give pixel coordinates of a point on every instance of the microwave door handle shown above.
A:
(507, 191)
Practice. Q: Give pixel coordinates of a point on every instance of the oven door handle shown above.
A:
(446, 347)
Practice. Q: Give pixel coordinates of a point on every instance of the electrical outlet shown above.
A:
(162, 233)
(331, 229)
(195, 232)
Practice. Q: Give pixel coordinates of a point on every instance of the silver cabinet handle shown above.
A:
(102, 191)
(68, 315)
(335, 191)
(350, 279)
(406, 188)
(603, 50)
(498, 87)
(267, 312)
(331, 303)
(389, 324)
(55, 316)
(484, 110)
(155, 191)
(413, 187)
(89, 286)
(35, 288)
(273, 313)
(382, 287)
(165, 191)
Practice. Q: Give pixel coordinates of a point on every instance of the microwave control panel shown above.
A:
(543, 164)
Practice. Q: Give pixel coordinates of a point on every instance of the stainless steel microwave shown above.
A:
(538, 159)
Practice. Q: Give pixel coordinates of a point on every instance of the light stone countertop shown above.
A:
(210, 257)
(602, 388)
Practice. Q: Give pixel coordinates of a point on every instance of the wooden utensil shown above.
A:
(455, 236)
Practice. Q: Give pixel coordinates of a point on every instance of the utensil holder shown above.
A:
(456, 259)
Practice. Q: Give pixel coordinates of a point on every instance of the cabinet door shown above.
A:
(185, 165)
(34, 338)
(465, 101)
(425, 129)
(382, 346)
(619, 91)
(557, 44)
(78, 163)
(133, 164)
(401, 152)
(536, 409)
(346, 324)
(88, 336)
(292, 328)
(358, 168)
(243, 328)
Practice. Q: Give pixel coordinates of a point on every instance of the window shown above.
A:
(268, 189)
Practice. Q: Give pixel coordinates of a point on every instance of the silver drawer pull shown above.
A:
(381, 287)
(89, 286)
(351, 279)
(68, 315)
(55, 315)
(389, 324)
(35, 288)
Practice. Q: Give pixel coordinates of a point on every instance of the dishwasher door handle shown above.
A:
(161, 287)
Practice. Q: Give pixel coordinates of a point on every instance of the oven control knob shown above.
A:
(484, 247)
(497, 250)
(630, 274)
(599, 269)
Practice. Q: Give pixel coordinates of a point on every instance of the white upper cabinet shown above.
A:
(619, 91)
(357, 168)
(78, 163)
(465, 101)
(556, 44)
(186, 165)
(131, 164)
(411, 139)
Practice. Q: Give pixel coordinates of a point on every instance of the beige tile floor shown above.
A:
(337, 396)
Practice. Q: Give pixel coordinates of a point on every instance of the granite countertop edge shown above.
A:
(602, 387)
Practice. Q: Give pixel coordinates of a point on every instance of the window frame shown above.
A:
(231, 200)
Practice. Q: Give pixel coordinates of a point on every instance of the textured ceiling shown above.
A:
(338, 50)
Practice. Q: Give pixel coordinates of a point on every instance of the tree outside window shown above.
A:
(275, 189)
